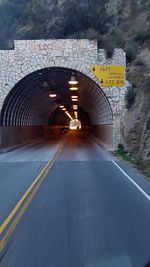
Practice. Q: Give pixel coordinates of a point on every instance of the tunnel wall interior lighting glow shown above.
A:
(61, 106)
(76, 114)
(64, 109)
(74, 99)
(67, 113)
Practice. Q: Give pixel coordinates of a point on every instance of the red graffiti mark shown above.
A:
(43, 46)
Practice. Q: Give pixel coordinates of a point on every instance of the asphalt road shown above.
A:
(86, 213)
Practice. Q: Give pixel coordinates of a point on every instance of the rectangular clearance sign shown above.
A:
(109, 75)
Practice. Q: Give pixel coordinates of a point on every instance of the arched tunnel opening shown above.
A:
(42, 102)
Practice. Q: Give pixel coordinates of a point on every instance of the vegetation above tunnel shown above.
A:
(115, 23)
(105, 20)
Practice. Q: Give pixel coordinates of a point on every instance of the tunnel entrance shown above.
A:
(46, 99)
(75, 125)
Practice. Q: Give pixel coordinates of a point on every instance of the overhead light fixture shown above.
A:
(61, 106)
(52, 95)
(73, 88)
(74, 96)
(76, 114)
(64, 109)
(74, 99)
(75, 107)
(73, 80)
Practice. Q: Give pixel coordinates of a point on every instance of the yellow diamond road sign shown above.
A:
(109, 75)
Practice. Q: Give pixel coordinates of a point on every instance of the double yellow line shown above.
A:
(25, 201)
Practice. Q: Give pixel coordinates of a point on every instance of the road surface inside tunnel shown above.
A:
(85, 213)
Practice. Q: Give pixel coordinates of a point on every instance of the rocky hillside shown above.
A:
(115, 23)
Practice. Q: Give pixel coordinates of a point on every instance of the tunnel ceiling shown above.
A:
(28, 103)
(58, 118)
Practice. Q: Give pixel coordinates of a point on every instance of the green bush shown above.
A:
(143, 166)
(120, 147)
(111, 41)
(117, 37)
(123, 154)
(108, 44)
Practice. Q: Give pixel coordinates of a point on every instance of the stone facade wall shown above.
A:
(31, 55)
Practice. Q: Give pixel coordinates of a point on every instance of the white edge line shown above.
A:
(133, 182)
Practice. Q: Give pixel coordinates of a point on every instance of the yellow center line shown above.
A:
(12, 227)
(43, 174)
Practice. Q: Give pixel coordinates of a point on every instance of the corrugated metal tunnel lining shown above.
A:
(28, 103)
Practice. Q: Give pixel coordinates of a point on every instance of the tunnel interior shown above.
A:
(29, 103)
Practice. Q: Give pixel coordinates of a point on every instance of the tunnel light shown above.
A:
(73, 80)
(52, 95)
(73, 88)
(76, 114)
(75, 107)
(64, 109)
(61, 106)
(74, 96)
(74, 99)
(70, 117)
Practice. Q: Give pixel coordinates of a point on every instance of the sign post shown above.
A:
(111, 75)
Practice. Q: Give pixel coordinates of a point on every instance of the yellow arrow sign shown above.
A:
(109, 75)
